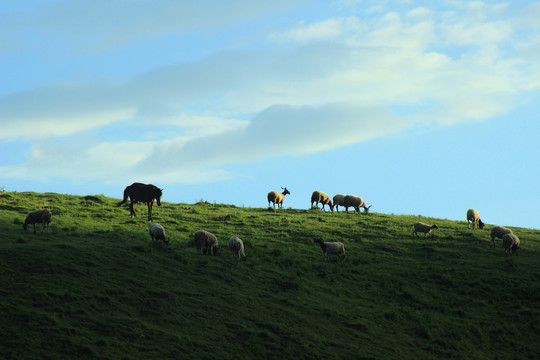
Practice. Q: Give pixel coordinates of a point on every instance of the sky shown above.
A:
(419, 107)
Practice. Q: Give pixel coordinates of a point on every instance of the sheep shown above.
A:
(157, 232)
(423, 228)
(277, 198)
(510, 244)
(206, 242)
(474, 216)
(236, 245)
(356, 202)
(43, 216)
(339, 199)
(336, 248)
(320, 197)
(498, 232)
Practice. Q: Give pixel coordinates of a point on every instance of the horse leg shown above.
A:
(132, 210)
(150, 203)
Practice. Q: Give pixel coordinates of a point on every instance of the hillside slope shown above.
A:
(97, 287)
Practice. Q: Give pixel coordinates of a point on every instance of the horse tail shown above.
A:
(126, 195)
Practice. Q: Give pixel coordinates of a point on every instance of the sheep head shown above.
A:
(481, 224)
(285, 191)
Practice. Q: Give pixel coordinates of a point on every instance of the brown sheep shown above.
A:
(277, 198)
(43, 216)
(320, 197)
(474, 216)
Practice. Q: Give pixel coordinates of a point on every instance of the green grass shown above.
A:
(97, 287)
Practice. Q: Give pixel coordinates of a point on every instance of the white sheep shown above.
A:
(157, 232)
(43, 216)
(423, 228)
(474, 216)
(320, 197)
(236, 245)
(498, 232)
(336, 248)
(277, 198)
(339, 199)
(510, 244)
(206, 242)
(356, 202)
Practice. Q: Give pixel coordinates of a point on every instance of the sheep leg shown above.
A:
(34, 228)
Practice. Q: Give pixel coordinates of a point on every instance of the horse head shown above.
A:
(158, 193)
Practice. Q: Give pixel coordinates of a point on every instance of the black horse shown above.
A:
(138, 192)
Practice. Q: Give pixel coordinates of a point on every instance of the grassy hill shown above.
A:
(97, 287)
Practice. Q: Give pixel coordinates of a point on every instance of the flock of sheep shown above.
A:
(207, 243)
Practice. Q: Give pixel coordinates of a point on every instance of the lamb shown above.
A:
(236, 245)
(510, 244)
(336, 248)
(43, 216)
(356, 202)
(277, 198)
(498, 232)
(423, 228)
(474, 216)
(320, 197)
(339, 199)
(206, 242)
(157, 232)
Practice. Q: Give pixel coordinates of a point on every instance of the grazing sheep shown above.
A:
(474, 216)
(356, 202)
(498, 232)
(157, 232)
(510, 244)
(236, 245)
(423, 228)
(206, 242)
(43, 216)
(320, 197)
(336, 248)
(277, 198)
(339, 199)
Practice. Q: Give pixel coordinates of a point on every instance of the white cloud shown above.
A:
(98, 25)
(50, 126)
(324, 30)
(278, 130)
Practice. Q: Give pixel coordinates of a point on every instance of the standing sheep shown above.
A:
(336, 248)
(356, 202)
(510, 244)
(423, 228)
(277, 198)
(320, 197)
(236, 245)
(339, 199)
(43, 216)
(498, 232)
(206, 242)
(157, 232)
(474, 216)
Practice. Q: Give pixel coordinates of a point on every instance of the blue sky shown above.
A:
(419, 107)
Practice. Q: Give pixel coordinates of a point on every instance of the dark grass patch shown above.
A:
(98, 287)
